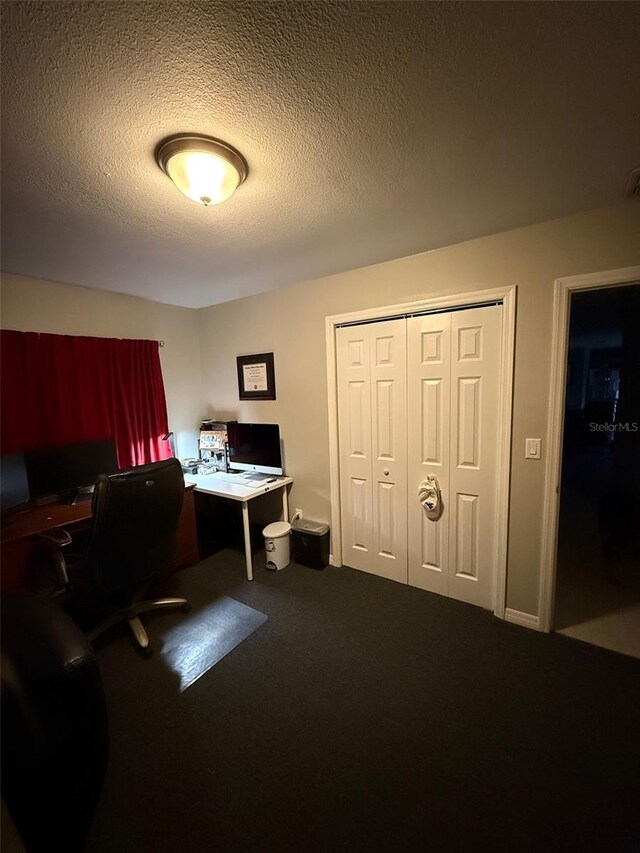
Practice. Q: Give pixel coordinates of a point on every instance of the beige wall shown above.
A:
(32, 305)
(290, 322)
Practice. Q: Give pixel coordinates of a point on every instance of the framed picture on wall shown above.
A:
(256, 377)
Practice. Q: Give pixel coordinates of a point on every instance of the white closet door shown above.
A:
(354, 425)
(371, 362)
(420, 397)
(475, 372)
(389, 447)
(428, 384)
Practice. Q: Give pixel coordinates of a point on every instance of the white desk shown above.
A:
(214, 484)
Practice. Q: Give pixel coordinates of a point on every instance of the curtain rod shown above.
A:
(26, 332)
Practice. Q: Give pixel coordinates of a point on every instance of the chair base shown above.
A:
(131, 615)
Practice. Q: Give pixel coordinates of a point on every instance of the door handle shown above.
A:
(430, 497)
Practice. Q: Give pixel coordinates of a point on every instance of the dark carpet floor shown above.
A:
(366, 715)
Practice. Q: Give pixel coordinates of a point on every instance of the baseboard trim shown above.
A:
(527, 620)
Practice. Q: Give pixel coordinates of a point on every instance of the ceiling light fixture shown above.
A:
(206, 170)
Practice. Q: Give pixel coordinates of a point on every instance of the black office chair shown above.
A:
(131, 544)
(55, 738)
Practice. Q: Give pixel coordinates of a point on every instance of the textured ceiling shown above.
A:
(372, 131)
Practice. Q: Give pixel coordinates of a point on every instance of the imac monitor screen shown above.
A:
(56, 470)
(15, 487)
(255, 447)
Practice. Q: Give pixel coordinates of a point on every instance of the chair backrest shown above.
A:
(135, 518)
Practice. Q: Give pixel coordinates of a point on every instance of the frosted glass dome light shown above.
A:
(204, 169)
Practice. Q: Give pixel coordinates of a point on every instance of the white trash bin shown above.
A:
(276, 544)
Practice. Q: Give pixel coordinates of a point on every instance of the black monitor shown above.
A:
(70, 467)
(14, 486)
(254, 447)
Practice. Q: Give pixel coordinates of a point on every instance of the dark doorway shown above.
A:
(598, 567)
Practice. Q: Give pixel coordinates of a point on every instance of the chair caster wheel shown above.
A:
(186, 608)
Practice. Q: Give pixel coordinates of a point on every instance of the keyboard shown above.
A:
(246, 480)
(236, 479)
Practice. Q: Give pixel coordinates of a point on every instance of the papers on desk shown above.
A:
(207, 469)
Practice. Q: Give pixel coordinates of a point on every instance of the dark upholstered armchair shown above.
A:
(54, 725)
(131, 544)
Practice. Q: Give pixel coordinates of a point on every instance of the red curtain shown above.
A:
(58, 389)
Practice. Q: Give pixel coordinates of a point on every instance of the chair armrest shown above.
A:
(57, 538)
(55, 541)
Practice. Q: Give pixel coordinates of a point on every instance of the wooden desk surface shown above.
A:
(31, 522)
(34, 521)
(19, 537)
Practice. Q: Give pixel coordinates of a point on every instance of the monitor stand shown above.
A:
(256, 477)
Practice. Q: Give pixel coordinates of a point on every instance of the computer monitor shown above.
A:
(254, 447)
(14, 486)
(70, 467)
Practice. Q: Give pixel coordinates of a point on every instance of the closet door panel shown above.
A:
(475, 370)
(371, 364)
(354, 436)
(388, 348)
(428, 397)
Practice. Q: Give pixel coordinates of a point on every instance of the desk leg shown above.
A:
(285, 504)
(247, 539)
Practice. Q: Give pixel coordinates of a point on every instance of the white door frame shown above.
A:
(504, 295)
(563, 289)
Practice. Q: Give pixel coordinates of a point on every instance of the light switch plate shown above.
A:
(533, 448)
